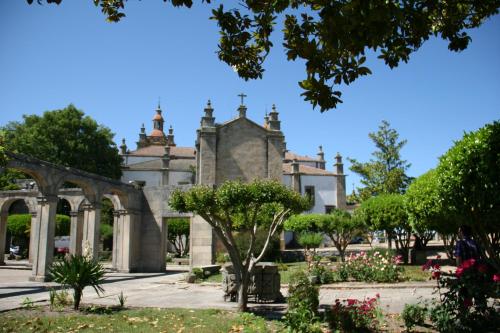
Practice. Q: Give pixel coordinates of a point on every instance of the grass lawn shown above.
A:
(144, 320)
(410, 273)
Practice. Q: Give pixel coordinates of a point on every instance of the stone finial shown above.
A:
(321, 154)
(339, 166)
(143, 129)
(266, 120)
(208, 119)
(123, 148)
(170, 137)
(274, 123)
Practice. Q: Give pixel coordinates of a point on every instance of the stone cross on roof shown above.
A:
(242, 96)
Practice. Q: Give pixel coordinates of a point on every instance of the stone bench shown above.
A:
(180, 261)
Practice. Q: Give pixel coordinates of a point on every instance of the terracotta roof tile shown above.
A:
(290, 156)
(159, 150)
(306, 170)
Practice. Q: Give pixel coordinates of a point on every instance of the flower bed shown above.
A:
(376, 267)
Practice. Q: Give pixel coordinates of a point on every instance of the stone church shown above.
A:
(239, 148)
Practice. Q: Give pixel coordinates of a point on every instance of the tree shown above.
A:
(87, 145)
(387, 172)
(236, 206)
(178, 234)
(332, 37)
(387, 212)
(341, 227)
(426, 212)
(469, 183)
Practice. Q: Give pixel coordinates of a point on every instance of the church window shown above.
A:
(309, 191)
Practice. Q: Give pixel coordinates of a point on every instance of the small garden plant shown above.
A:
(354, 315)
(413, 315)
(78, 272)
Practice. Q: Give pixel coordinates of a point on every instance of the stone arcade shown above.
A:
(237, 149)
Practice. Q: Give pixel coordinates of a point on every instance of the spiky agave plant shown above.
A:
(78, 272)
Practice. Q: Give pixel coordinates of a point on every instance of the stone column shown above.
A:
(3, 236)
(76, 233)
(44, 237)
(116, 238)
(202, 240)
(126, 245)
(91, 227)
(33, 226)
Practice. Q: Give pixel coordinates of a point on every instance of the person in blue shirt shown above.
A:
(466, 247)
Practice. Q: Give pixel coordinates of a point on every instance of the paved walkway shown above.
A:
(167, 290)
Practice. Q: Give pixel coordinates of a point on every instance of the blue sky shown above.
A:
(51, 56)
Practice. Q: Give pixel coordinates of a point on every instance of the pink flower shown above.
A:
(351, 301)
(496, 277)
(427, 265)
(377, 295)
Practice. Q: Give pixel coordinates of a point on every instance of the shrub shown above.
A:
(463, 305)
(78, 272)
(303, 302)
(222, 257)
(413, 315)
(353, 315)
(378, 267)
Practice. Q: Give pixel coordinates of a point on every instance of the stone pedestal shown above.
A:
(44, 237)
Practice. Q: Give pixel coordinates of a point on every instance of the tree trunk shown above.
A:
(77, 296)
(243, 292)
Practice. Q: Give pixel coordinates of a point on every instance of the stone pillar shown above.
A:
(116, 237)
(44, 237)
(340, 177)
(76, 233)
(34, 222)
(125, 241)
(201, 239)
(3, 236)
(296, 177)
(91, 227)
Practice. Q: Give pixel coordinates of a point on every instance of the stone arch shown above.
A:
(5, 203)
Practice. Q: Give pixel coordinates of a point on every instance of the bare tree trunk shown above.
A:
(243, 292)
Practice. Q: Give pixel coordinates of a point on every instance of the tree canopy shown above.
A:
(66, 137)
(469, 183)
(236, 206)
(387, 172)
(332, 38)
(387, 212)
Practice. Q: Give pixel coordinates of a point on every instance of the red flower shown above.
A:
(378, 295)
(351, 301)
(496, 277)
(438, 257)
(427, 265)
(482, 268)
(468, 302)
(468, 263)
(459, 271)
(436, 274)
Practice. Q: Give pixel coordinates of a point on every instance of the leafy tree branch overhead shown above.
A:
(332, 37)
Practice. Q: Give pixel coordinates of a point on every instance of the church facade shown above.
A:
(235, 149)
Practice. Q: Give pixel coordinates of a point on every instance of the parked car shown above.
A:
(61, 244)
(356, 240)
(14, 250)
